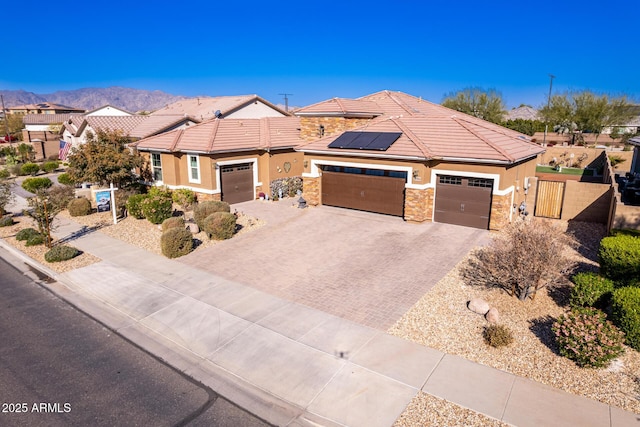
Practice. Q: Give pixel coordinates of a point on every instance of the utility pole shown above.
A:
(546, 122)
(286, 101)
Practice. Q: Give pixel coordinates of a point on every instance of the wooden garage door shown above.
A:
(237, 183)
(463, 201)
(371, 190)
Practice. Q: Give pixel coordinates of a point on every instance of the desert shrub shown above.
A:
(523, 258)
(134, 205)
(497, 335)
(29, 169)
(49, 167)
(185, 198)
(4, 173)
(26, 233)
(35, 240)
(79, 207)
(220, 225)
(176, 242)
(122, 197)
(585, 336)
(61, 195)
(590, 290)
(204, 209)
(625, 312)
(620, 258)
(65, 179)
(61, 253)
(173, 222)
(34, 185)
(6, 221)
(163, 192)
(157, 208)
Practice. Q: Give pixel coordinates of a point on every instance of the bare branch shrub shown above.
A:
(524, 257)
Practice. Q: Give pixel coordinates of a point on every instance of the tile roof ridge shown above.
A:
(176, 140)
(400, 103)
(265, 135)
(412, 136)
(340, 105)
(214, 132)
(464, 123)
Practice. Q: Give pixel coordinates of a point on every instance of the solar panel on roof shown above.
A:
(379, 141)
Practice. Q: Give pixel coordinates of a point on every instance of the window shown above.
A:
(453, 180)
(194, 168)
(480, 182)
(156, 166)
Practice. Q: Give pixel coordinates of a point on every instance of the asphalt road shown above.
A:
(58, 367)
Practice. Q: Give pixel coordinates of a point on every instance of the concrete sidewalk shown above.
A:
(286, 363)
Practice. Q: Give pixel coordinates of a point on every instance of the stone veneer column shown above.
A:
(311, 190)
(418, 205)
(203, 197)
(500, 211)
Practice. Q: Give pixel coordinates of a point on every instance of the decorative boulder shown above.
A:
(478, 305)
(492, 316)
(193, 227)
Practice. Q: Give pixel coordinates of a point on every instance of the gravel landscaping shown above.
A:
(441, 320)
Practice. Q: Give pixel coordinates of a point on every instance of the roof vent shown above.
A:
(217, 114)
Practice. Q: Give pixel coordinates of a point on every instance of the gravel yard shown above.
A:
(442, 321)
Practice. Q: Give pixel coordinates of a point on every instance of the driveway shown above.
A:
(365, 267)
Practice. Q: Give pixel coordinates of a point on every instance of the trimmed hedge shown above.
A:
(620, 258)
(157, 208)
(203, 209)
(30, 169)
(134, 205)
(65, 179)
(220, 225)
(4, 173)
(61, 253)
(49, 167)
(33, 185)
(79, 207)
(625, 312)
(35, 240)
(26, 233)
(173, 222)
(590, 290)
(176, 242)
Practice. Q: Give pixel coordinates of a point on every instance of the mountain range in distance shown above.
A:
(128, 99)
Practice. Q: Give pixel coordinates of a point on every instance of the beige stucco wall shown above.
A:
(586, 201)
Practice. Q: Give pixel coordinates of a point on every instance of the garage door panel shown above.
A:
(463, 203)
(370, 193)
(237, 183)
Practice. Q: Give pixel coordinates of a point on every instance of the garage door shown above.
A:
(463, 201)
(371, 190)
(237, 183)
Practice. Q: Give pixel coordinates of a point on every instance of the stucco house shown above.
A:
(223, 107)
(233, 160)
(397, 154)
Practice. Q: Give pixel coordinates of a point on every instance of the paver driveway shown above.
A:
(364, 267)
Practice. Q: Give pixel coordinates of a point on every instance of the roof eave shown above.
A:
(368, 155)
(339, 114)
(486, 161)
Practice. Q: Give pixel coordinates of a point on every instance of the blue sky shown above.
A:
(320, 50)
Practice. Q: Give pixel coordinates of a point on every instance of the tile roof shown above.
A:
(343, 107)
(228, 135)
(431, 131)
(45, 106)
(46, 119)
(204, 108)
(133, 126)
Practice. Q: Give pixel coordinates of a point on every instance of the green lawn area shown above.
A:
(565, 171)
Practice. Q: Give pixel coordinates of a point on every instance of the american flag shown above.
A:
(64, 150)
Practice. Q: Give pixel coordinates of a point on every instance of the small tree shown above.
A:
(43, 208)
(525, 257)
(484, 104)
(6, 195)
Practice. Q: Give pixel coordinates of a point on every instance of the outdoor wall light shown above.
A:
(416, 174)
(305, 163)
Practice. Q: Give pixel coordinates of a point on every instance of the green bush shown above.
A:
(497, 335)
(49, 167)
(33, 185)
(61, 253)
(134, 205)
(6, 221)
(620, 258)
(590, 290)
(173, 222)
(203, 209)
(4, 173)
(184, 197)
(29, 169)
(35, 240)
(586, 336)
(220, 225)
(176, 242)
(163, 192)
(26, 233)
(65, 179)
(625, 312)
(157, 208)
(79, 207)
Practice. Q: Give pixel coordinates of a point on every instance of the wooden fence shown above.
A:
(549, 199)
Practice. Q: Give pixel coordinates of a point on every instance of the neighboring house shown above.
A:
(635, 161)
(43, 108)
(523, 112)
(44, 131)
(227, 107)
(231, 160)
(416, 160)
(108, 110)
